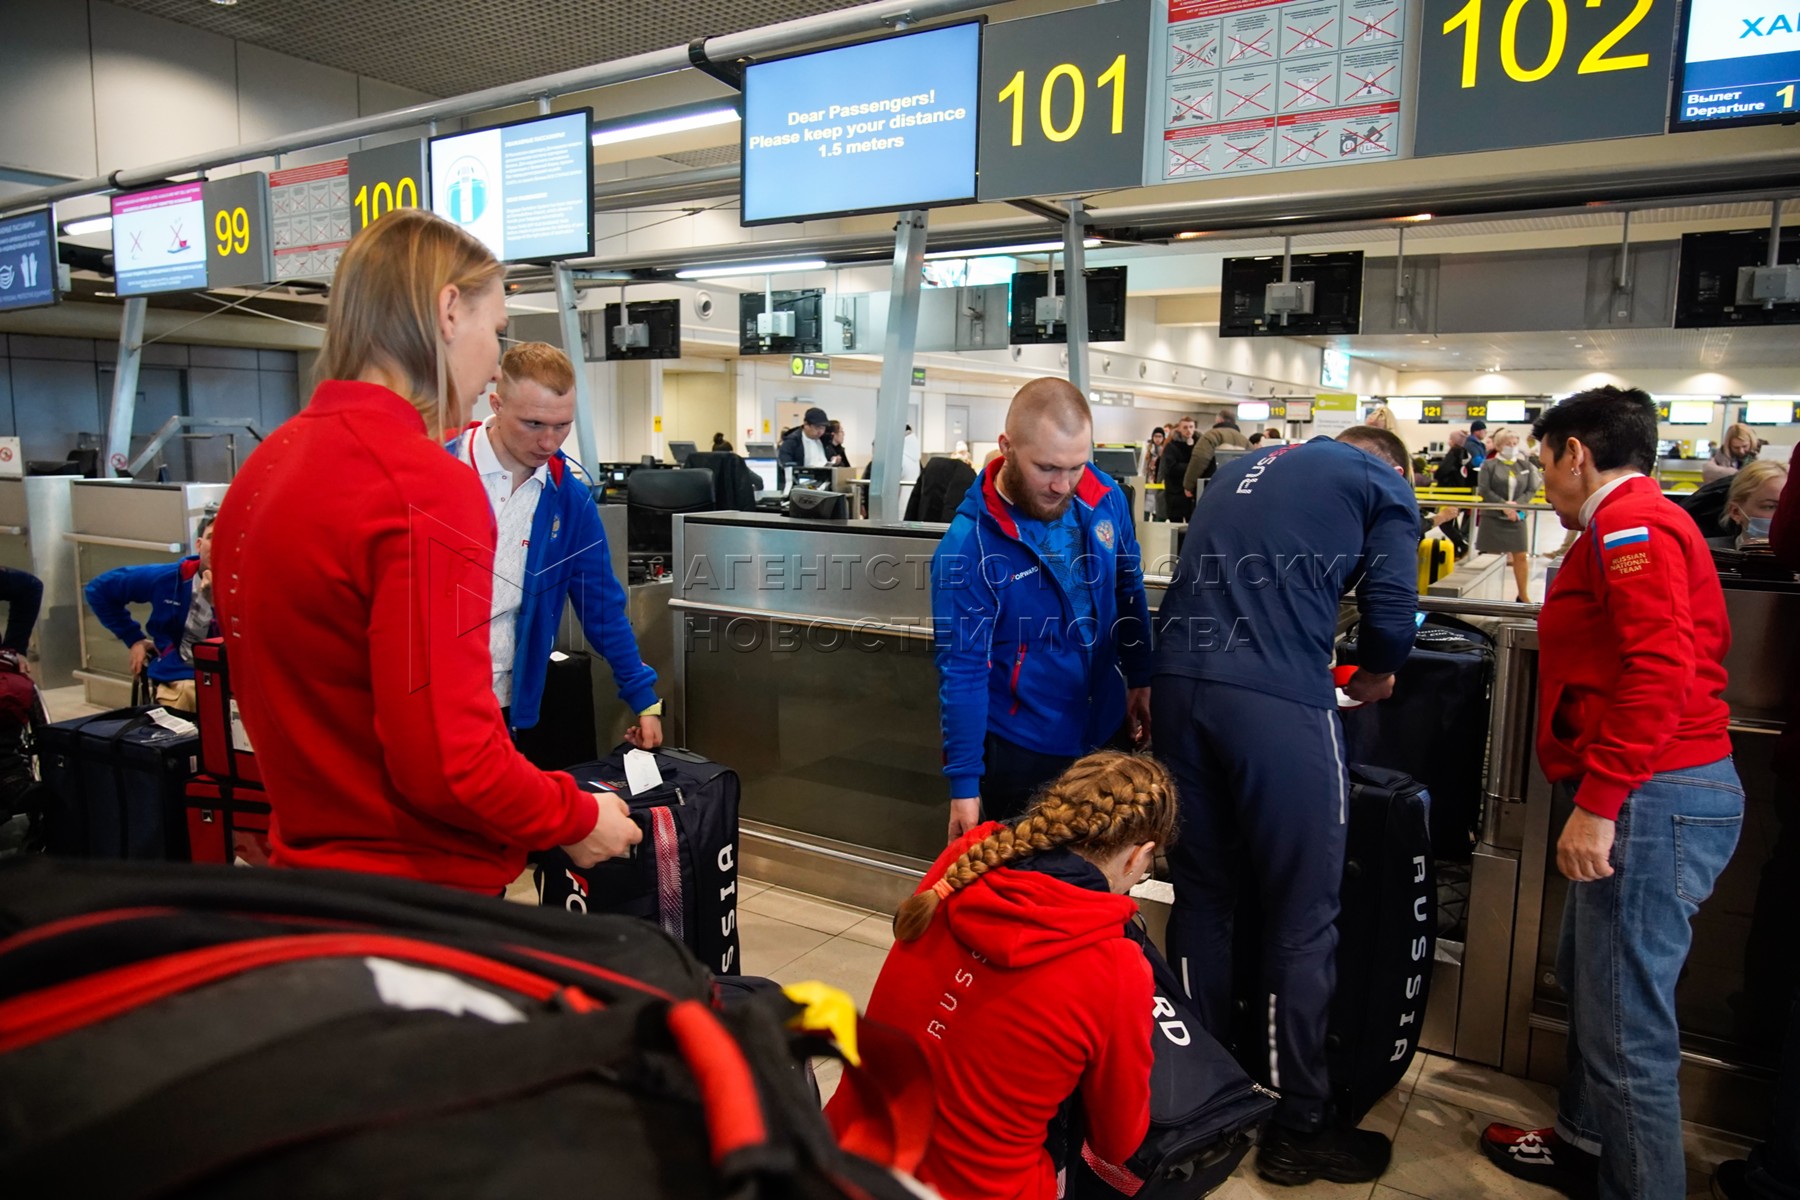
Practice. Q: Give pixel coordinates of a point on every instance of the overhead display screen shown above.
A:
(27, 260)
(525, 189)
(878, 126)
(159, 240)
(1739, 64)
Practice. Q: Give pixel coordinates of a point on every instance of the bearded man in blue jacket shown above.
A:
(1039, 616)
(550, 548)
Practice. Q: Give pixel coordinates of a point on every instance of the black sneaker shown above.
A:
(1291, 1158)
(1540, 1156)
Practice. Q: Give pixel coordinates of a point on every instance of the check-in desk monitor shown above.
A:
(680, 451)
(759, 449)
(768, 475)
(1120, 462)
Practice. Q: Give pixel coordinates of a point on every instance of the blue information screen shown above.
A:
(875, 127)
(1739, 64)
(27, 260)
(526, 189)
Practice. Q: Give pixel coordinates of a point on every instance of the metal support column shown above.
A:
(570, 317)
(1075, 313)
(125, 385)
(896, 367)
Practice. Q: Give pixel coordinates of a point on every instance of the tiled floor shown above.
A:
(1434, 1116)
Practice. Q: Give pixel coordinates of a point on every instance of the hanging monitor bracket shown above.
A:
(731, 74)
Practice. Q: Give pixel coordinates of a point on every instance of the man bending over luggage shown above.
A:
(1244, 649)
(181, 613)
(550, 548)
(1039, 615)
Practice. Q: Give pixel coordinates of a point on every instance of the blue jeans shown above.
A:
(1624, 939)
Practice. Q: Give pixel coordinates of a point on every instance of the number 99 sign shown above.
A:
(1496, 74)
(1062, 99)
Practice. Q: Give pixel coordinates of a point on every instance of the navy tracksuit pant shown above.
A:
(1264, 799)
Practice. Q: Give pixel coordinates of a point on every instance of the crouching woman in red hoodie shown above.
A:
(1013, 973)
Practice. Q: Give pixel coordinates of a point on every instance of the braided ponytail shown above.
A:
(1102, 803)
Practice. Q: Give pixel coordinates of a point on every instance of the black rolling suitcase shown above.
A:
(1204, 1110)
(1386, 939)
(201, 1031)
(683, 875)
(117, 783)
(1434, 727)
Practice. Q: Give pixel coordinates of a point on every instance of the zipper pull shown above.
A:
(680, 799)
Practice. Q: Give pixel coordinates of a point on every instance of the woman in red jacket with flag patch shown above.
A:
(1632, 727)
(1014, 975)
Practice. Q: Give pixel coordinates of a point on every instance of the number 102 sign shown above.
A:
(1496, 74)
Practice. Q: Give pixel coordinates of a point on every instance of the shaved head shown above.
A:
(1048, 407)
(1048, 440)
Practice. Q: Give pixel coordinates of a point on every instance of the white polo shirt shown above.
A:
(513, 513)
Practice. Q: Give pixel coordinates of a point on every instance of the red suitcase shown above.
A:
(224, 747)
(227, 822)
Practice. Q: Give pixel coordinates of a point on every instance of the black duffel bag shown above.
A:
(683, 875)
(203, 1031)
(1204, 1110)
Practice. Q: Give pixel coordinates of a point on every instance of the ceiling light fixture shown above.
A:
(731, 270)
(1022, 248)
(1417, 218)
(668, 120)
(87, 225)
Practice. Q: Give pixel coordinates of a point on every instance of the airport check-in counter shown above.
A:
(120, 523)
(34, 516)
(803, 661)
(803, 652)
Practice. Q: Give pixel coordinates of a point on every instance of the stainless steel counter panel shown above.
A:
(37, 507)
(1765, 649)
(117, 523)
(846, 570)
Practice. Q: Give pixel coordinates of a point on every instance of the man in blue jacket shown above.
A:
(550, 548)
(1039, 615)
(1244, 653)
(181, 613)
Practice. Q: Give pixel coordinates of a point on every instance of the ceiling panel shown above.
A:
(449, 47)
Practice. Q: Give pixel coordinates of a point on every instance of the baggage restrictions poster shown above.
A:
(1252, 86)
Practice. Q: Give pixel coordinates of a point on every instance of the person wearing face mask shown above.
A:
(1736, 452)
(550, 535)
(1750, 505)
(348, 555)
(1506, 478)
(1039, 615)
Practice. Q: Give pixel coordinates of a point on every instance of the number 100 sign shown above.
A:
(1495, 74)
(1062, 102)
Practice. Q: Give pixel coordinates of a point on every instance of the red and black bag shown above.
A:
(227, 823)
(200, 1031)
(225, 751)
(683, 875)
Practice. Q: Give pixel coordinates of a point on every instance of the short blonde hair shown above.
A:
(383, 310)
(1739, 432)
(1380, 417)
(539, 363)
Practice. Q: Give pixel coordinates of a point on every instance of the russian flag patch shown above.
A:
(1621, 538)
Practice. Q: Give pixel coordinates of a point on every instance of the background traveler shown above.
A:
(1737, 451)
(1202, 463)
(179, 595)
(1506, 478)
(1171, 470)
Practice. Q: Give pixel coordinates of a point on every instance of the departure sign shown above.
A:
(876, 126)
(1062, 102)
(1739, 64)
(1431, 412)
(159, 240)
(1495, 74)
(238, 252)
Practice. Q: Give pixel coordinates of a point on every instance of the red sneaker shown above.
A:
(1541, 1156)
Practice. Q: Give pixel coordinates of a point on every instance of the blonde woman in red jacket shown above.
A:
(353, 564)
(1632, 725)
(1013, 974)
